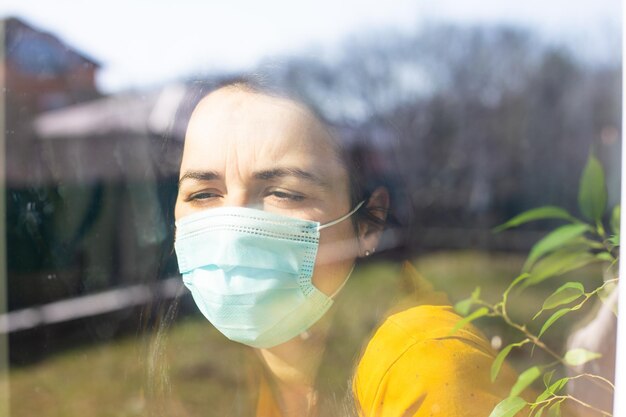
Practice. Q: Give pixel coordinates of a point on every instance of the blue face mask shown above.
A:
(249, 272)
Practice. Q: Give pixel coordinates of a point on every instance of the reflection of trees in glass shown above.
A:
(490, 121)
(487, 122)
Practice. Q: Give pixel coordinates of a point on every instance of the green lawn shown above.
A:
(108, 379)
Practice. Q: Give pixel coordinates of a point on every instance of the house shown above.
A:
(41, 73)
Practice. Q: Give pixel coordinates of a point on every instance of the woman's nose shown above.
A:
(235, 200)
(239, 199)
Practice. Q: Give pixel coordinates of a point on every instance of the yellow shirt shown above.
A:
(411, 367)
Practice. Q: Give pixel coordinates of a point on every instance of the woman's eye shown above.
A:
(204, 195)
(287, 196)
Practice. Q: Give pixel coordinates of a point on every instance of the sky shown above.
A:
(146, 42)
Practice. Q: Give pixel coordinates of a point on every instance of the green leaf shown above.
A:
(558, 385)
(604, 256)
(615, 219)
(483, 311)
(476, 293)
(508, 407)
(580, 356)
(614, 240)
(499, 360)
(555, 409)
(592, 244)
(592, 194)
(547, 377)
(552, 389)
(566, 293)
(501, 356)
(539, 213)
(555, 240)
(539, 412)
(524, 380)
(605, 293)
(516, 281)
(463, 307)
(553, 318)
(558, 263)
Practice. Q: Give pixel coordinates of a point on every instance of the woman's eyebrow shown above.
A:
(271, 174)
(200, 176)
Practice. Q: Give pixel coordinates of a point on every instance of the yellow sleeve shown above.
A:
(412, 368)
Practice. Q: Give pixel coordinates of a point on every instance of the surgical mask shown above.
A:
(249, 272)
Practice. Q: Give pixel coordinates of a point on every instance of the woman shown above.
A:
(271, 218)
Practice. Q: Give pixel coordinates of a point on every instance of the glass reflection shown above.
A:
(444, 133)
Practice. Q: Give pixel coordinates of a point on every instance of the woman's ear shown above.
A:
(369, 231)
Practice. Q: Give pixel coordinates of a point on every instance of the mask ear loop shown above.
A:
(343, 284)
(305, 334)
(342, 218)
(332, 223)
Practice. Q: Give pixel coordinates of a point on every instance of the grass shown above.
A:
(107, 380)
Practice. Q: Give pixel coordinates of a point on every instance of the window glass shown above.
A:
(311, 210)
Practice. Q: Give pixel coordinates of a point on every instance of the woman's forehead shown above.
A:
(229, 108)
(256, 123)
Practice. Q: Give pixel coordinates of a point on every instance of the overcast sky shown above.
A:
(144, 42)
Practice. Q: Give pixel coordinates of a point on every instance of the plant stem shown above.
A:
(534, 339)
(501, 311)
(589, 406)
(606, 381)
(576, 400)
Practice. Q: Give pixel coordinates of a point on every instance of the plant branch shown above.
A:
(499, 309)
(586, 375)
(589, 406)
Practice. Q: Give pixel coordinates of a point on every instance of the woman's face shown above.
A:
(251, 150)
